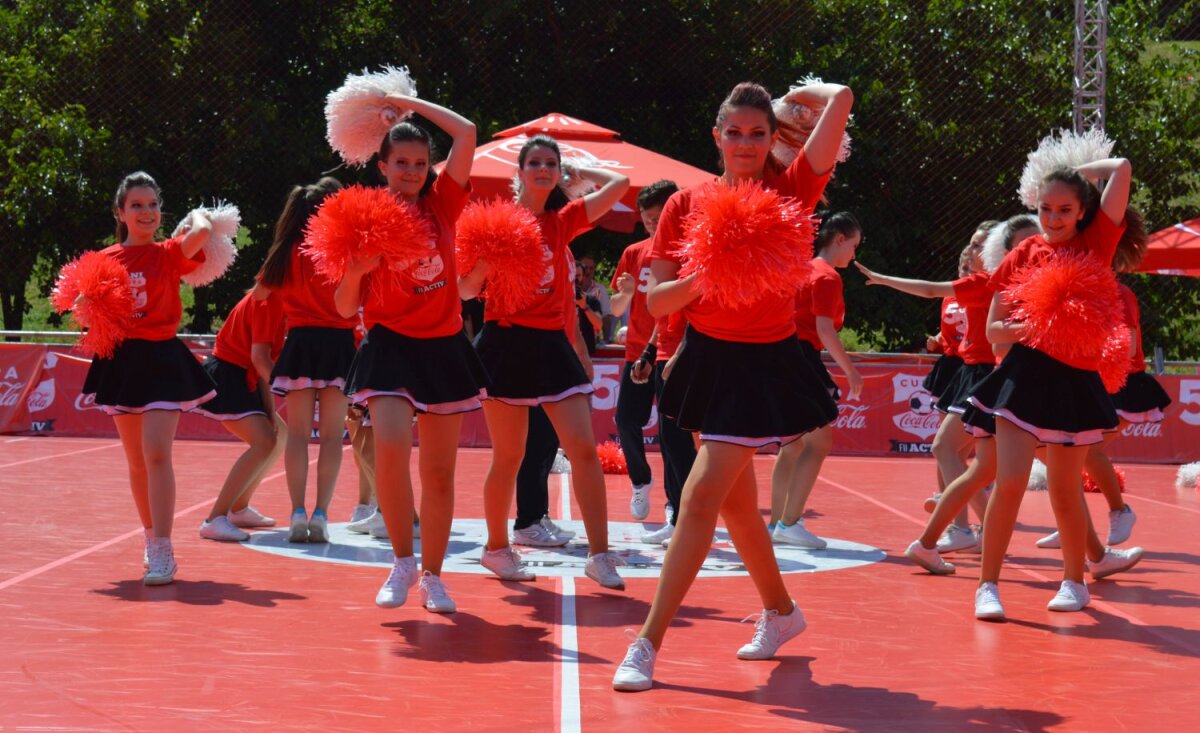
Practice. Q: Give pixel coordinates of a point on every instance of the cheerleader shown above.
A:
(312, 366)
(530, 362)
(247, 345)
(416, 359)
(678, 446)
(952, 443)
(740, 378)
(152, 376)
(1037, 398)
(636, 395)
(819, 311)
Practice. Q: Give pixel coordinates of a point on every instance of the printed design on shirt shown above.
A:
(643, 285)
(548, 278)
(956, 316)
(137, 282)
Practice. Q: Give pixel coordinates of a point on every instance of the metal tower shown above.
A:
(1091, 63)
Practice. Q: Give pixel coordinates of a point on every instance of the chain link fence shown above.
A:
(224, 99)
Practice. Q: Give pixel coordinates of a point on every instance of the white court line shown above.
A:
(16, 440)
(568, 675)
(59, 455)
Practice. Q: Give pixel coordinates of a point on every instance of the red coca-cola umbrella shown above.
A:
(1174, 250)
(587, 145)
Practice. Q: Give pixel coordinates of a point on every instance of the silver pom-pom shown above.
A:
(219, 250)
(1037, 477)
(796, 123)
(358, 114)
(1188, 476)
(1067, 150)
(572, 184)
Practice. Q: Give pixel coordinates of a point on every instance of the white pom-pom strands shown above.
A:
(1064, 150)
(358, 113)
(220, 250)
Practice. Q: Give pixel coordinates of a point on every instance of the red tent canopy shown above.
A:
(587, 145)
(1174, 250)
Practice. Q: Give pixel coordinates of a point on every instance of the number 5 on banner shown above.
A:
(1189, 394)
(607, 382)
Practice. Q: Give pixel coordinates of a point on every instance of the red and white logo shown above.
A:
(921, 420)
(851, 417)
(41, 397)
(1142, 430)
(85, 402)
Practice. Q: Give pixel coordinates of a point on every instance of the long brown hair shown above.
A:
(302, 202)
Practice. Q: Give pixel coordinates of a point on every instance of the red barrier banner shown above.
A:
(40, 394)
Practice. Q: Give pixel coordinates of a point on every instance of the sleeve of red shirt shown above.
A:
(178, 263)
(1011, 263)
(972, 290)
(573, 219)
(804, 184)
(669, 231)
(448, 198)
(1102, 236)
(826, 295)
(265, 321)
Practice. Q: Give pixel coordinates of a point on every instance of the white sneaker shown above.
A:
(669, 513)
(956, 538)
(635, 673)
(1050, 541)
(796, 534)
(379, 530)
(394, 591)
(602, 568)
(250, 518)
(318, 528)
(536, 535)
(931, 560)
(146, 548)
(161, 565)
(506, 564)
(1115, 561)
(561, 464)
(557, 531)
(434, 596)
(1071, 596)
(659, 536)
(771, 632)
(298, 531)
(931, 503)
(1120, 525)
(639, 501)
(361, 512)
(367, 523)
(222, 529)
(987, 602)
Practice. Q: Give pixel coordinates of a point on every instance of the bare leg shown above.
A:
(257, 433)
(277, 449)
(960, 491)
(391, 418)
(1064, 475)
(1014, 457)
(329, 460)
(158, 433)
(572, 421)
(753, 544)
(507, 426)
(1100, 468)
(439, 448)
(129, 427)
(817, 446)
(783, 476)
(948, 446)
(299, 432)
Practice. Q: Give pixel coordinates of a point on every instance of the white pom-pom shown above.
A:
(358, 114)
(796, 122)
(219, 250)
(1037, 476)
(572, 184)
(1067, 150)
(1188, 476)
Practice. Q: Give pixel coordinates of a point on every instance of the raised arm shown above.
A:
(919, 288)
(821, 148)
(459, 128)
(199, 229)
(1117, 172)
(612, 187)
(621, 299)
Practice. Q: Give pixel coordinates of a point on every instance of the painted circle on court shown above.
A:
(468, 536)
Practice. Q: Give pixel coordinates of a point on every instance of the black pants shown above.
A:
(678, 450)
(634, 403)
(533, 489)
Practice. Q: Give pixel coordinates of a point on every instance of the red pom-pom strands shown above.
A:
(105, 304)
(507, 236)
(1069, 302)
(359, 222)
(612, 458)
(1089, 484)
(219, 250)
(745, 242)
(1114, 359)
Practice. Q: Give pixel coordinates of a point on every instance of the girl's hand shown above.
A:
(625, 283)
(480, 270)
(856, 384)
(360, 267)
(931, 344)
(872, 278)
(641, 371)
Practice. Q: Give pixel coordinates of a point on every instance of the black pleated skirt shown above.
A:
(442, 376)
(313, 357)
(529, 366)
(148, 375)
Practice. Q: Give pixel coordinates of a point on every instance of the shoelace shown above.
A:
(435, 587)
(636, 656)
(762, 627)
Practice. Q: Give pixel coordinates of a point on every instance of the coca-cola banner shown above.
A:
(40, 394)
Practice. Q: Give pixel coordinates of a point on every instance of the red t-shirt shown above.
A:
(1133, 319)
(1100, 238)
(154, 272)
(635, 261)
(546, 311)
(250, 322)
(670, 334)
(307, 297)
(567, 289)
(975, 297)
(953, 327)
(422, 301)
(820, 296)
(771, 317)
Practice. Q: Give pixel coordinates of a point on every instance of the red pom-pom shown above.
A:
(612, 458)
(106, 307)
(1070, 302)
(745, 242)
(358, 223)
(1114, 359)
(1090, 486)
(509, 238)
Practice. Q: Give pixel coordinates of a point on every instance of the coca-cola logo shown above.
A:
(920, 420)
(851, 417)
(10, 393)
(1142, 430)
(922, 426)
(42, 397)
(86, 402)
